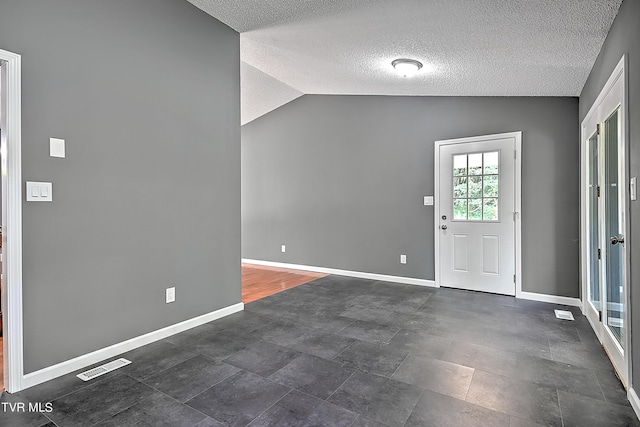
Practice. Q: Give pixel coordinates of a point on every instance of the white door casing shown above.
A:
(12, 220)
(477, 213)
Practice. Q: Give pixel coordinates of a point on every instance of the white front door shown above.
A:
(476, 213)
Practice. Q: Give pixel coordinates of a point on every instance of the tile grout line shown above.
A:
(47, 417)
(422, 390)
(599, 386)
(207, 389)
(338, 388)
(195, 354)
(560, 407)
(273, 404)
(399, 365)
(128, 407)
(466, 395)
(394, 335)
(183, 403)
(345, 349)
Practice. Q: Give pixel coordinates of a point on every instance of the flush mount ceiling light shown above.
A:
(406, 67)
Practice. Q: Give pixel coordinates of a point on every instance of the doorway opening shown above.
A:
(2, 208)
(11, 257)
(604, 215)
(477, 214)
(263, 280)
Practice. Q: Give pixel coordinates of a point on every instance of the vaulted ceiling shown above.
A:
(468, 47)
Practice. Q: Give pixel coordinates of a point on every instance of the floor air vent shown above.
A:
(103, 369)
(564, 314)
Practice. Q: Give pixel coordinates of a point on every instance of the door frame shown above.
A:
(518, 198)
(618, 74)
(12, 221)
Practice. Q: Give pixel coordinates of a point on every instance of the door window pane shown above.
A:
(490, 209)
(476, 186)
(614, 274)
(594, 244)
(491, 163)
(460, 209)
(475, 209)
(490, 186)
(475, 164)
(460, 165)
(460, 187)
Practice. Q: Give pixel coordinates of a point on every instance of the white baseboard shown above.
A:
(94, 357)
(633, 399)
(349, 273)
(554, 299)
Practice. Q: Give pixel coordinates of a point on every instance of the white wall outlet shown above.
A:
(428, 200)
(39, 191)
(170, 295)
(283, 248)
(56, 147)
(403, 259)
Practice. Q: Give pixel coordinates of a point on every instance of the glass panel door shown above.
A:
(604, 208)
(614, 310)
(593, 235)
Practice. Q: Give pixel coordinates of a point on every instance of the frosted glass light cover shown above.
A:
(406, 67)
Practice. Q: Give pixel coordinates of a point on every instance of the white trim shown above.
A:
(517, 201)
(634, 400)
(97, 356)
(349, 273)
(553, 299)
(626, 133)
(12, 221)
(518, 214)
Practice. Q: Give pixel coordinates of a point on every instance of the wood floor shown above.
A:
(1, 366)
(260, 281)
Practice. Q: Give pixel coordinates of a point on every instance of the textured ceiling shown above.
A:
(261, 93)
(469, 47)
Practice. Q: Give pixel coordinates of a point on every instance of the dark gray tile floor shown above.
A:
(349, 352)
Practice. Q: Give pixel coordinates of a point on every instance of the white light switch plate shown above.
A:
(39, 191)
(428, 200)
(403, 259)
(56, 147)
(170, 295)
(633, 189)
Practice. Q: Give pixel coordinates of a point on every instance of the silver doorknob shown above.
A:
(444, 227)
(617, 239)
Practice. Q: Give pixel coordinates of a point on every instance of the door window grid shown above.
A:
(475, 186)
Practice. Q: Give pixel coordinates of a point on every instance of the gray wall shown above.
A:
(340, 181)
(146, 94)
(624, 37)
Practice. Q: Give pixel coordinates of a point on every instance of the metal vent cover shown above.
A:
(564, 314)
(103, 369)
